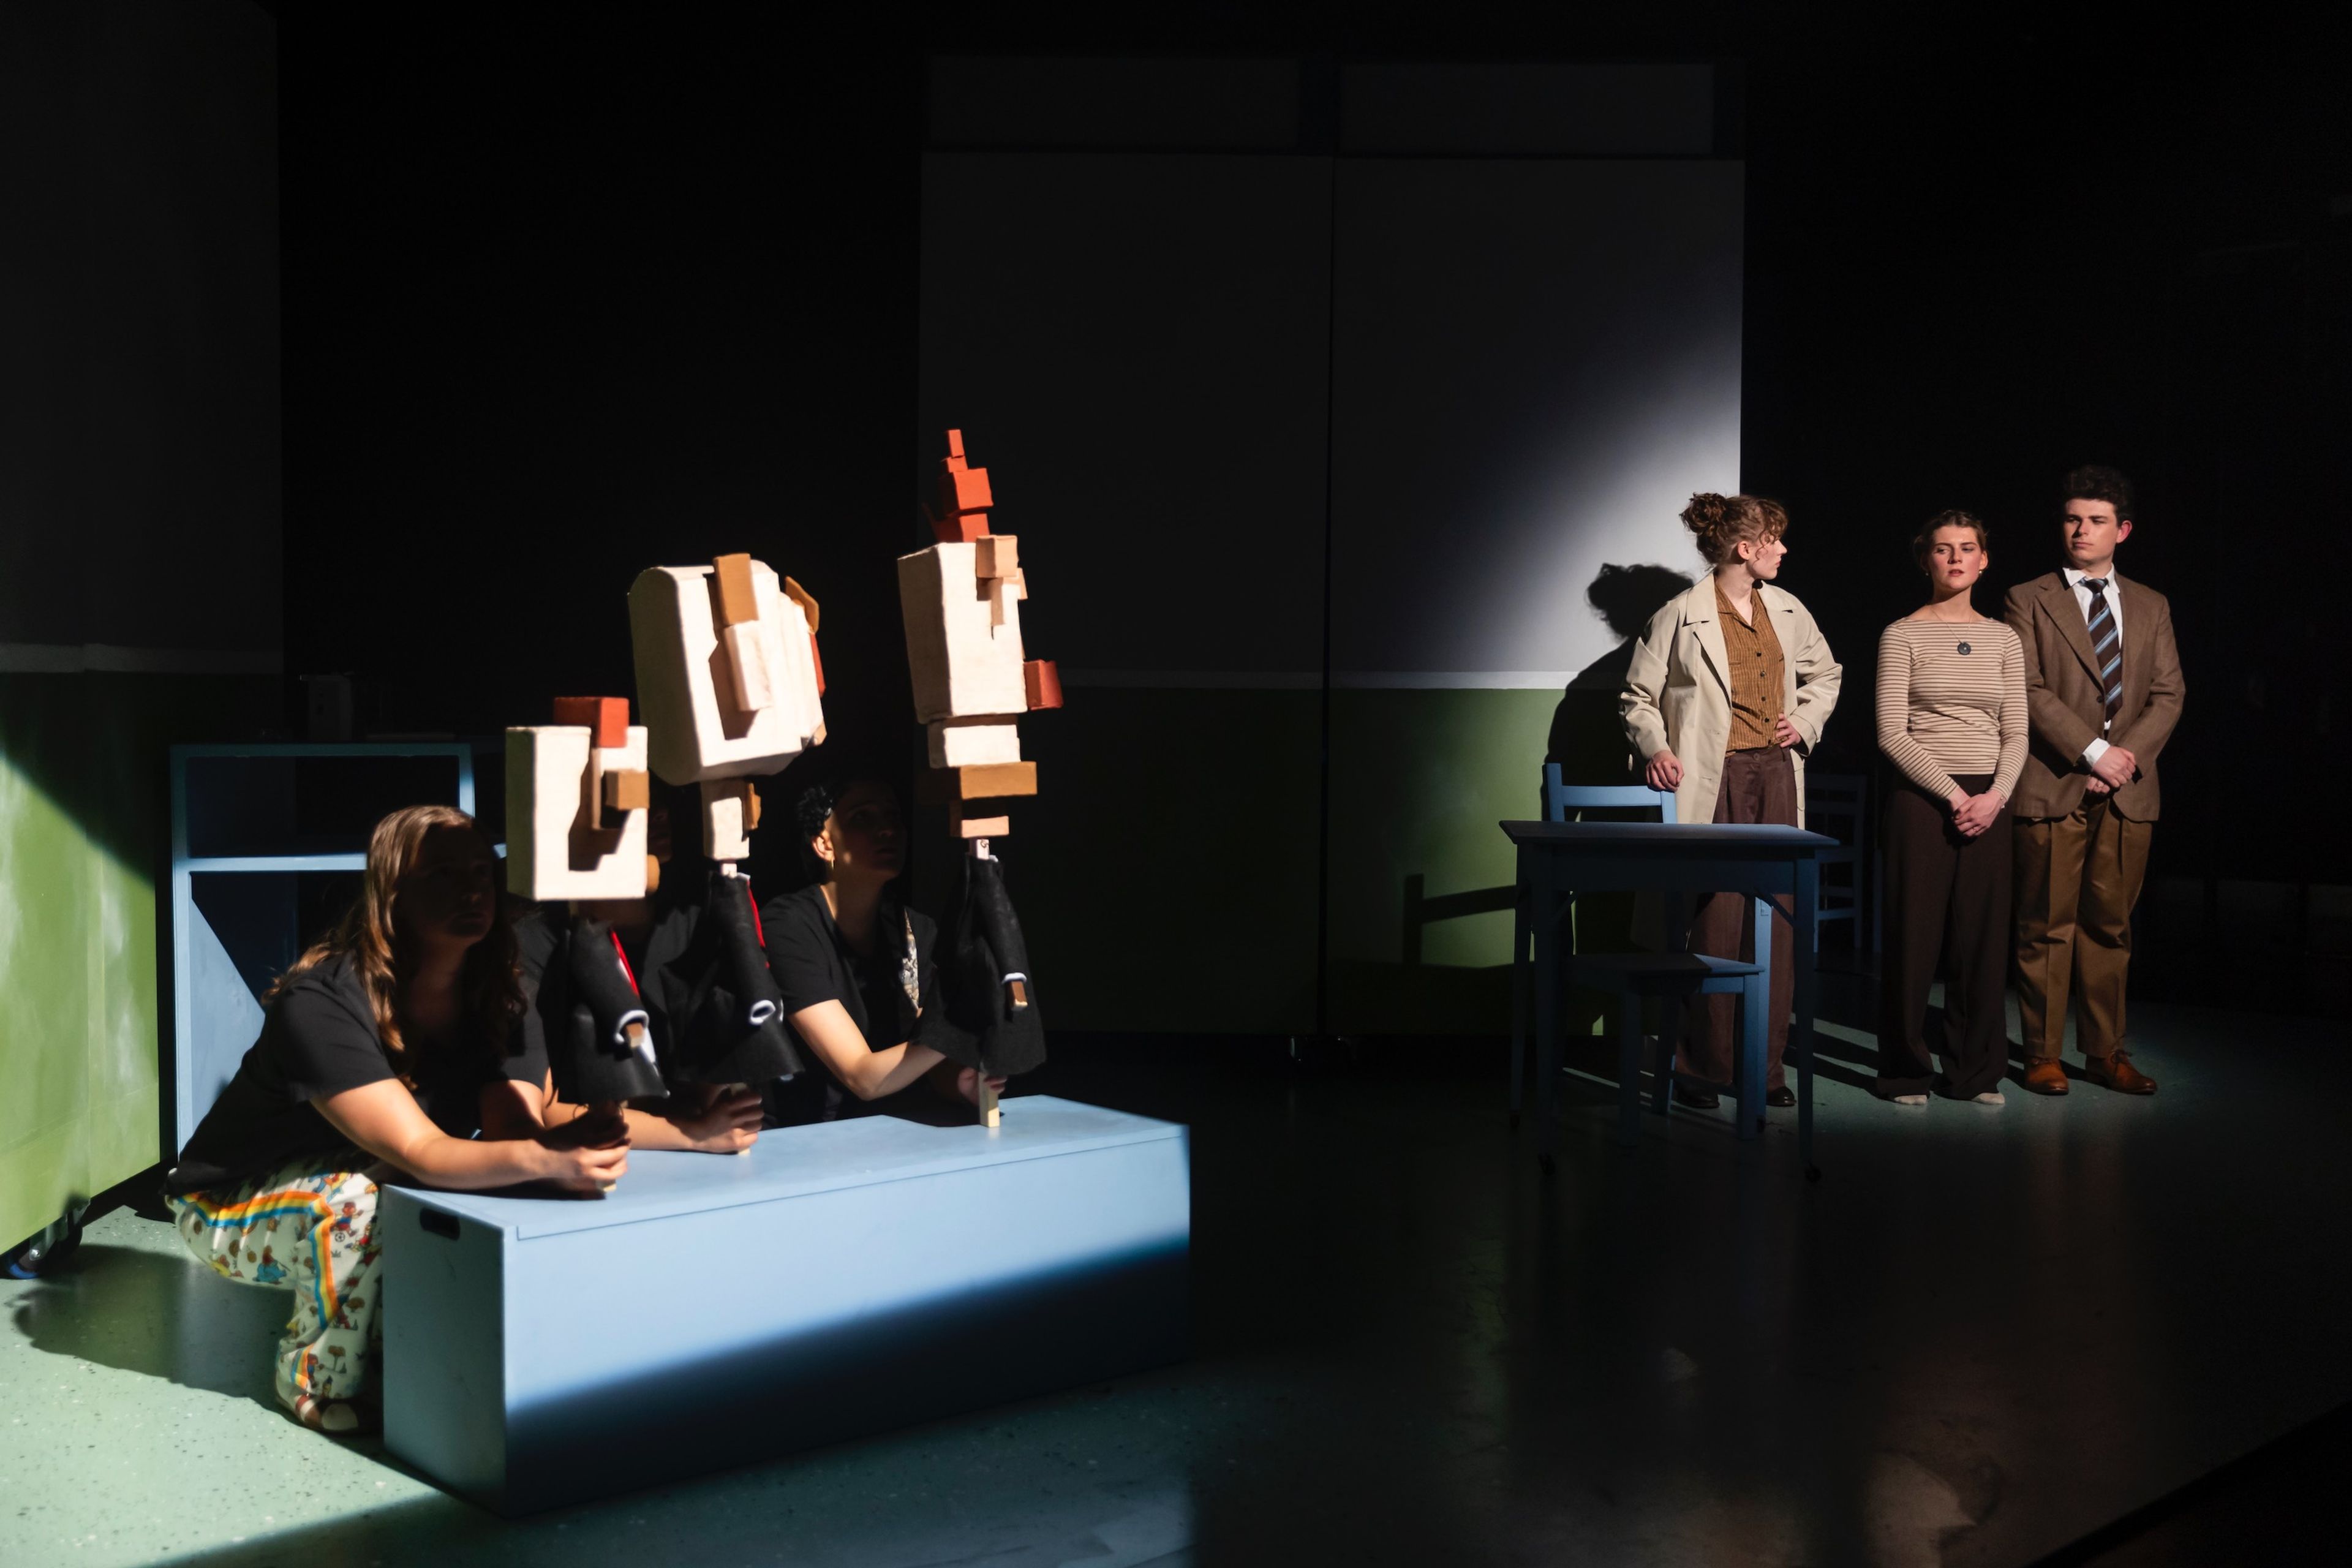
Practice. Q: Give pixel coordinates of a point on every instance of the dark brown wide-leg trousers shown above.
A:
(2078, 879)
(1946, 898)
(1758, 785)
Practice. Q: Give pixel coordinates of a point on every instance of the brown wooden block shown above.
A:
(983, 781)
(605, 718)
(955, 446)
(980, 827)
(652, 872)
(627, 789)
(964, 490)
(1043, 682)
(750, 804)
(804, 599)
(999, 555)
(738, 601)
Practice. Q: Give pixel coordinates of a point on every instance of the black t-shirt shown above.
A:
(318, 1038)
(813, 963)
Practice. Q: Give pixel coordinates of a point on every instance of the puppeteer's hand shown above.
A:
(586, 1169)
(967, 1084)
(2094, 784)
(1784, 734)
(728, 1124)
(1664, 773)
(2116, 767)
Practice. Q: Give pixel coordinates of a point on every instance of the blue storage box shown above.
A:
(834, 1280)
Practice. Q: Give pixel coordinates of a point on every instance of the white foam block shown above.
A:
(724, 835)
(552, 852)
(963, 635)
(687, 688)
(964, 745)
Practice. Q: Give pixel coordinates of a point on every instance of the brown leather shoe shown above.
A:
(2045, 1076)
(2117, 1073)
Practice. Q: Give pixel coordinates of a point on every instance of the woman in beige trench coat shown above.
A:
(1729, 688)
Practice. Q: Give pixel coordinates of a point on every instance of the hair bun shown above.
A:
(1706, 513)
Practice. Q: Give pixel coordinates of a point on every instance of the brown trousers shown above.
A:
(1946, 903)
(1758, 785)
(2078, 877)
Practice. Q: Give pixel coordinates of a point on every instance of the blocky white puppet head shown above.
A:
(961, 600)
(577, 796)
(728, 682)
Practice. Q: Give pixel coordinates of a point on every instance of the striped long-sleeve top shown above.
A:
(1951, 700)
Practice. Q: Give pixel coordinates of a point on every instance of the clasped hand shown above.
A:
(2115, 768)
(1972, 814)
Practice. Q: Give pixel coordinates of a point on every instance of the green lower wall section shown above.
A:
(1419, 781)
(1165, 875)
(83, 848)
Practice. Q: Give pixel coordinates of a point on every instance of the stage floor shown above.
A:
(1985, 1333)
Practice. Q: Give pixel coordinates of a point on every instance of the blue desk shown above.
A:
(1648, 857)
(832, 1281)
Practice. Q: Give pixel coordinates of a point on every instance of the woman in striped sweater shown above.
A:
(1952, 716)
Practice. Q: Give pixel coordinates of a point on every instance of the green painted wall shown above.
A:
(1419, 781)
(83, 849)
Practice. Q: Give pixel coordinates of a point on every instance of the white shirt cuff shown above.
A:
(2092, 753)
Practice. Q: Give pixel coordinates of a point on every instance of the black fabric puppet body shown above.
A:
(990, 998)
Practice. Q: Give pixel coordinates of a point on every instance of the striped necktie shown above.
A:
(2106, 645)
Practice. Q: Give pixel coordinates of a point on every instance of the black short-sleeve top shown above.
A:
(317, 1039)
(888, 996)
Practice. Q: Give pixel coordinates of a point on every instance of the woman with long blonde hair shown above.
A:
(377, 1054)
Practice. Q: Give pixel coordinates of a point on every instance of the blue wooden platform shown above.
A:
(834, 1280)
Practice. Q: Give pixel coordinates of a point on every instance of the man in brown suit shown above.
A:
(2103, 690)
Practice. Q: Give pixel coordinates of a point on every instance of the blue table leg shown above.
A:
(1521, 934)
(1670, 1007)
(1800, 1028)
(1547, 967)
(1755, 1032)
(1628, 1068)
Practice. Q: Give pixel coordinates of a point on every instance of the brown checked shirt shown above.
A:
(1754, 649)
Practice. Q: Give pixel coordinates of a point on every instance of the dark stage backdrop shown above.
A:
(1460, 386)
(564, 296)
(139, 530)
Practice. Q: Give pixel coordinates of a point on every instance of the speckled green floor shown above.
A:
(140, 1429)
(1984, 1333)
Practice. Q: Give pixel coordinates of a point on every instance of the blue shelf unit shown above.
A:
(249, 825)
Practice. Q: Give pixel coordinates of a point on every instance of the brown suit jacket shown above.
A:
(2063, 696)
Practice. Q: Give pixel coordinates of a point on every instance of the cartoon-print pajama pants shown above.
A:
(314, 1230)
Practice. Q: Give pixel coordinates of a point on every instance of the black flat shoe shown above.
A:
(1697, 1099)
(1782, 1099)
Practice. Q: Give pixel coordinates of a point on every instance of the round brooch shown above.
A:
(1964, 648)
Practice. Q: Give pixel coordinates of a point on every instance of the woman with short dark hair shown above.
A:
(1952, 718)
(380, 1049)
(855, 966)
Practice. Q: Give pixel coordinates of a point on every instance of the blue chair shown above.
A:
(1630, 976)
